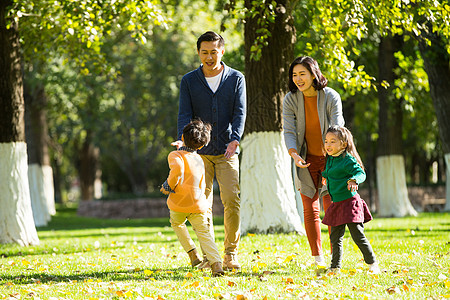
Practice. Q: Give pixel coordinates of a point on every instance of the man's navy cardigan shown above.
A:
(225, 109)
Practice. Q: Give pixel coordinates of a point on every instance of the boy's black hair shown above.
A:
(196, 134)
(210, 36)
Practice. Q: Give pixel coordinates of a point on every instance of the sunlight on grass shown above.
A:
(82, 258)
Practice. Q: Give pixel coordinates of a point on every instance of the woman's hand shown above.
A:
(299, 162)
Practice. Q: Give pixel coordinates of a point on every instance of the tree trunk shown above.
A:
(16, 218)
(40, 174)
(89, 170)
(268, 199)
(391, 179)
(437, 65)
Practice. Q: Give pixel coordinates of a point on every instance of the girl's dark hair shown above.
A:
(312, 66)
(210, 36)
(346, 136)
(196, 134)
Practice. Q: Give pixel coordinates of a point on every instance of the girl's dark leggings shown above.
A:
(357, 233)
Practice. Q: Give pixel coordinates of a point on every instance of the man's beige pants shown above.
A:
(227, 175)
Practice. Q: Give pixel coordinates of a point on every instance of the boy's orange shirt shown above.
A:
(187, 179)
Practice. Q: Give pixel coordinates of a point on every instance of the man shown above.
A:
(215, 93)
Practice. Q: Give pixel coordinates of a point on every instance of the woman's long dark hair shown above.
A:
(312, 66)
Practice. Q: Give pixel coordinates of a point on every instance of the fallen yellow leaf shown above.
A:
(231, 283)
(289, 281)
(148, 272)
(289, 258)
(447, 283)
(195, 284)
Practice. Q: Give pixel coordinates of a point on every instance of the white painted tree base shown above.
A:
(16, 217)
(42, 193)
(392, 190)
(447, 184)
(267, 191)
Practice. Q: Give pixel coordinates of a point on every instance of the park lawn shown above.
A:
(84, 258)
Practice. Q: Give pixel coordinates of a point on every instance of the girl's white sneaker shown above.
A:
(374, 268)
(319, 260)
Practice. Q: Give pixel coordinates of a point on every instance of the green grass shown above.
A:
(83, 258)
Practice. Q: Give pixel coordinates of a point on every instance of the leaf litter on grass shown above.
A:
(114, 268)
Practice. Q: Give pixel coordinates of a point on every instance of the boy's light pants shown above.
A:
(202, 225)
(227, 175)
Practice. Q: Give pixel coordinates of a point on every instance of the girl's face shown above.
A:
(333, 144)
(303, 79)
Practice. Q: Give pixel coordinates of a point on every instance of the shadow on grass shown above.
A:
(78, 233)
(120, 275)
(67, 219)
(178, 274)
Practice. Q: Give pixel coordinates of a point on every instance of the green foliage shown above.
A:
(344, 35)
(334, 31)
(131, 107)
(78, 29)
(83, 258)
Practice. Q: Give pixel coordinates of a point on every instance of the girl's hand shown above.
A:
(352, 186)
(299, 162)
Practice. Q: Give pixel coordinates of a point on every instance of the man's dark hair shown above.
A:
(210, 36)
(196, 134)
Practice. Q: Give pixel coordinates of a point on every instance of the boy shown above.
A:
(187, 201)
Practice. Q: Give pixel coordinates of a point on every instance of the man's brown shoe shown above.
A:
(216, 269)
(194, 257)
(205, 264)
(230, 262)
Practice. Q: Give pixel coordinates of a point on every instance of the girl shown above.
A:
(343, 172)
(308, 110)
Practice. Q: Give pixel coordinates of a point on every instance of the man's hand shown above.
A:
(299, 162)
(178, 144)
(231, 149)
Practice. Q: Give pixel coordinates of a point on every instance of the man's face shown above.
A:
(210, 55)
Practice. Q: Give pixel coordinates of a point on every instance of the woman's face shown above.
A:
(303, 79)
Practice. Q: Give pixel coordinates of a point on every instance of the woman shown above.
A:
(308, 110)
